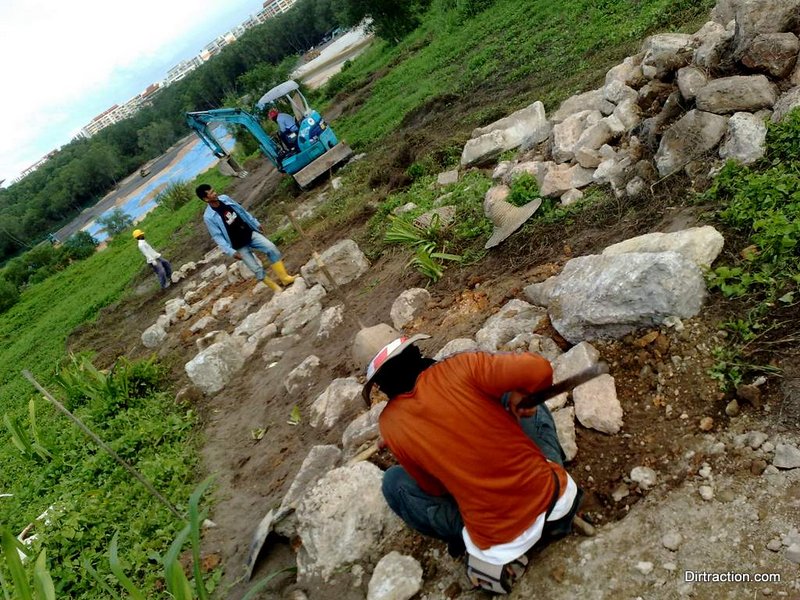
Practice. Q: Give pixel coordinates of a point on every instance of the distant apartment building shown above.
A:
(182, 69)
(34, 166)
(273, 8)
(117, 113)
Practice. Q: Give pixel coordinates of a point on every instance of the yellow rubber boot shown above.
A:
(274, 286)
(280, 271)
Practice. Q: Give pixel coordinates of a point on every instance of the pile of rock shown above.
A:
(661, 111)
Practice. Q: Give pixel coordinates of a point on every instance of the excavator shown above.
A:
(313, 149)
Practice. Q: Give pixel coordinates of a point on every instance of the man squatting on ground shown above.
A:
(161, 266)
(238, 233)
(475, 470)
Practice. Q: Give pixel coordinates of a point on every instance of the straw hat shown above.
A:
(377, 345)
(506, 217)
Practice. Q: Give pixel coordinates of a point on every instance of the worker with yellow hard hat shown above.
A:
(160, 266)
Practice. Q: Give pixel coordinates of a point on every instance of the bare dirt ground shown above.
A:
(662, 381)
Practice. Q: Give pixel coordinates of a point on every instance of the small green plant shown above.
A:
(425, 241)
(524, 189)
(11, 551)
(175, 195)
(32, 446)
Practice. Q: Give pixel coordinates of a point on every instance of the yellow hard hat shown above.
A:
(137, 233)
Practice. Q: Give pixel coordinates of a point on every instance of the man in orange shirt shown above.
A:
(476, 470)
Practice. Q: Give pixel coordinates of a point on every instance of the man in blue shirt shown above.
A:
(287, 128)
(238, 233)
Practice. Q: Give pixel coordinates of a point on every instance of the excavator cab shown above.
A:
(312, 151)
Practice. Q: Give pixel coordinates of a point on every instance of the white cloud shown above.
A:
(62, 61)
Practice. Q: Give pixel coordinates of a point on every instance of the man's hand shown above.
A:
(514, 398)
(237, 255)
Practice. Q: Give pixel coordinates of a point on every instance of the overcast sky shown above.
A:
(63, 63)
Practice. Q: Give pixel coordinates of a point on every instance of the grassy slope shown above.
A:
(558, 48)
(155, 434)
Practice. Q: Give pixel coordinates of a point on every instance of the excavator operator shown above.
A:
(287, 128)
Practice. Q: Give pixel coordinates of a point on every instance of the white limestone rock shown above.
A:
(745, 140)
(701, 245)
(565, 427)
(396, 577)
(340, 399)
(344, 260)
(517, 316)
(303, 375)
(212, 368)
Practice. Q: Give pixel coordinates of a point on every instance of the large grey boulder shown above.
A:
(786, 103)
(344, 260)
(317, 463)
(302, 376)
(396, 577)
(407, 305)
(690, 81)
(517, 316)
(563, 178)
(342, 519)
(628, 72)
(714, 52)
(597, 405)
(292, 321)
(455, 346)
(176, 309)
(754, 17)
(363, 428)
(748, 93)
(329, 320)
(665, 53)
(577, 359)
(214, 367)
(746, 139)
(483, 149)
(610, 296)
(591, 100)
(342, 397)
(567, 133)
(693, 134)
(154, 336)
(529, 123)
(773, 53)
(701, 245)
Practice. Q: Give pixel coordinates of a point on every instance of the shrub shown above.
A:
(115, 221)
(175, 195)
(79, 246)
(9, 294)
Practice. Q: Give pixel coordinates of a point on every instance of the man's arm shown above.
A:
(218, 234)
(497, 374)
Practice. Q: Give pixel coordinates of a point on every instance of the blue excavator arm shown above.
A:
(200, 122)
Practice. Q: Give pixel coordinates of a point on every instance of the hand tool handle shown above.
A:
(536, 398)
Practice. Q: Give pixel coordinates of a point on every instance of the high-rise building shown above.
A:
(273, 8)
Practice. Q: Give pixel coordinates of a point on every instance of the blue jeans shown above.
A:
(438, 516)
(163, 271)
(259, 242)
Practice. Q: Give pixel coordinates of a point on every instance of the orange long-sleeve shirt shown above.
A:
(452, 435)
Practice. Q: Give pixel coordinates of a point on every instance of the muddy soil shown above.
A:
(661, 376)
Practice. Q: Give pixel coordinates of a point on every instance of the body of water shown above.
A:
(196, 160)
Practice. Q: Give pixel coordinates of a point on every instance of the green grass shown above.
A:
(92, 495)
(556, 47)
(761, 204)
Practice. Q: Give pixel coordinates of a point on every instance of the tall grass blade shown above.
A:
(195, 520)
(10, 545)
(87, 566)
(42, 582)
(177, 583)
(116, 569)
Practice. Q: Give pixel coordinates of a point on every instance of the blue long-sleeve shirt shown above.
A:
(216, 227)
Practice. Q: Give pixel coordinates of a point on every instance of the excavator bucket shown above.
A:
(228, 166)
(339, 153)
